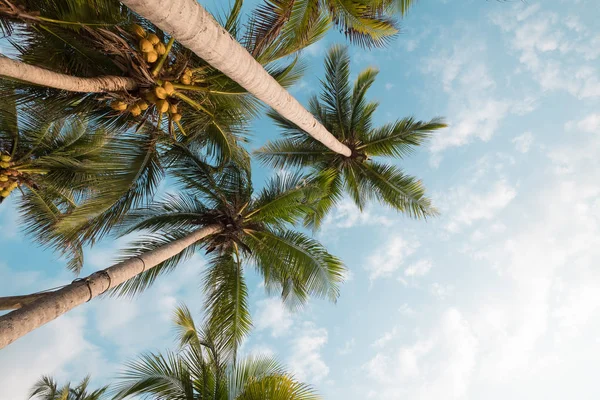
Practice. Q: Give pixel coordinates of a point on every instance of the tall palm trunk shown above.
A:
(195, 28)
(22, 321)
(43, 77)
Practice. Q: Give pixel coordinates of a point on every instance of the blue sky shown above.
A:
(497, 298)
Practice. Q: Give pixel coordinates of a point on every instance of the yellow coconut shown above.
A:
(142, 105)
(138, 31)
(4, 164)
(152, 38)
(151, 56)
(176, 117)
(173, 109)
(168, 86)
(5, 193)
(160, 48)
(186, 80)
(150, 96)
(162, 106)
(3, 178)
(5, 158)
(135, 110)
(146, 46)
(118, 106)
(160, 93)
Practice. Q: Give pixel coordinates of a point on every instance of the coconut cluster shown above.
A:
(9, 178)
(150, 45)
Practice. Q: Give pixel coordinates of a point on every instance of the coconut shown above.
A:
(142, 105)
(4, 164)
(168, 86)
(146, 46)
(160, 93)
(135, 110)
(186, 80)
(3, 178)
(138, 31)
(162, 106)
(151, 56)
(176, 117)
(152, 38)
(118, 106)
(5, 193)
(5, 158)
(160, 48)
(173, 109)
(150, 96)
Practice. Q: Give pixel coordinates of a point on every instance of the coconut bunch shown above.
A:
(9, 178)
(161, 97)
(150, 45)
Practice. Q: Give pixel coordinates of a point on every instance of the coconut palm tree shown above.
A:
(53, 165)
(203, 369)
(47, 389)
(97, 58)
(215, 210)
(344, 110)
(253, 230)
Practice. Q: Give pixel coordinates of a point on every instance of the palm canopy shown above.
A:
(367, 23)
(54, 166)
(344, 110)
(253, 230)
(94, 38)
(203, 369)
(47, 389)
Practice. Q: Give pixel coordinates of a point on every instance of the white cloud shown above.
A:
(420, 268)
(305, 358)
(389, 86)
(273, 315)
(347, 215)
(388, 258)
(441, 291)
(523, 142)
(589, 124)
(384, 339)
(406, 310)
(472, 206)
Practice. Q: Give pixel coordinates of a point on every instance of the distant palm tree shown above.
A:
(344, 110)
(47, 389)
(203, 369)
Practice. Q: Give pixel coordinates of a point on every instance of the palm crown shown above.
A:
(47, 389)
(344, 110)
(203, 369)
(252, 228)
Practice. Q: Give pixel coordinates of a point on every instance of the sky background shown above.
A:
(497, 298)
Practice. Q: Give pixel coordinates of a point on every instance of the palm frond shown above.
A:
(400, 138)
(337, 94)
(227, 309)
(403, 192)
(296, 265)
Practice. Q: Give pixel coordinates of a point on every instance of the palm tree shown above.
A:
(96, 58)
(344, 110)
(252, 230)
(193, 27)
(215, 210)
(47, 389)
(203, 369)
(52, 166)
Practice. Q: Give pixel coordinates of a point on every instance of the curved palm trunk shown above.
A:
(24, 320)
(43, 77)
(195, 28)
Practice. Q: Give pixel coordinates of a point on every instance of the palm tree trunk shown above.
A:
(43, 77)
(195, 28)
(24, 320)
(15, 302)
